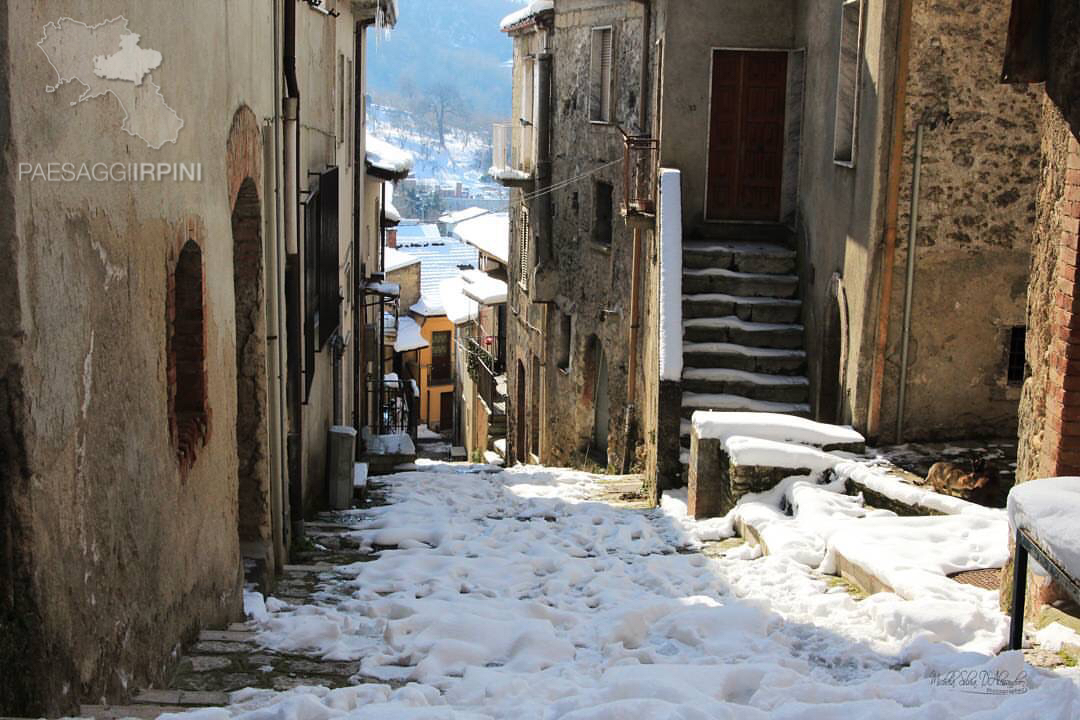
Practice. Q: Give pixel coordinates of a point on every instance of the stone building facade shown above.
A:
(149, 451)
(571, 254)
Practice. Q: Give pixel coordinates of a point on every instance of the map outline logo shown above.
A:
(107, 59)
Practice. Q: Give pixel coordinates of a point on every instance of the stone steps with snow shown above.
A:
(731, 329)
(750, 257)
(757, 386)
(754, 309)
(741, 357)
(732, 282)
(692, 402)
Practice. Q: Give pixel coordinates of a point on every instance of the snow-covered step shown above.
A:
(731, 329)
(692, 402)
(758, 386)
(753, 257)
(722, 280)
(742, 357)
(755, 309)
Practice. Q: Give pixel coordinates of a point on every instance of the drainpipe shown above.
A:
(279, 478)
(629, 428)
(291, 107)
(913, 230)
(545, 254)
(892, 203)
(359, 304)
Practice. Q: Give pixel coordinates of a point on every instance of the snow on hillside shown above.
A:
(465, 158)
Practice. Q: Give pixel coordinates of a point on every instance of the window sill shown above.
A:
(602, 123)
(600, 247)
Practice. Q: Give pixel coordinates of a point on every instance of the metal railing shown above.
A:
(397, 413)
(641, 157)
(512, 148)
(484, 372)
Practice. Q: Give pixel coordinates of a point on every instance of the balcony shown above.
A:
(512, 153)
(641, 157)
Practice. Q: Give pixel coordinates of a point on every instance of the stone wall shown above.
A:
(980, 166)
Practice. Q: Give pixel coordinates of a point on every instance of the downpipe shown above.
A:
(913, 231)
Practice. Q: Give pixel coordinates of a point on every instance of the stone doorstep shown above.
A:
(182, 698)
(115, 712)
(884, 502)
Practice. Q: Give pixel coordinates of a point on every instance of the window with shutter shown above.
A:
(523, 248)
(600, 63)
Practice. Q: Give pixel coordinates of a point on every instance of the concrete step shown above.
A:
(743, 284)
(731, 329)
(692, 402)
(775, 361)
(745, 232)
(755, 309)
(758, 386)
(751, 257)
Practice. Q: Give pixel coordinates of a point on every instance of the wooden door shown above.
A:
(446, 411)
(746, 135)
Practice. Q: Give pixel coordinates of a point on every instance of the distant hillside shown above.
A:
(446, 43)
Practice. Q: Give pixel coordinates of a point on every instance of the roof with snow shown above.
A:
(394, 259)
(489, 233)
(460, 308)
(385, 159)
(408, 335)
(452, 218)
(409, 231)
(517, 19)
(441, 259)
(483, 288)
(428, 306)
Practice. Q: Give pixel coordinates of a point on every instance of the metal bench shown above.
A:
(1026, 544)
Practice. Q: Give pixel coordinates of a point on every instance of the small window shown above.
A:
(603, 213)
(1017, 365)
(847, 84)
(565, 334)
(600, 76)
(322, 283)
(528, 91)
(523, 248)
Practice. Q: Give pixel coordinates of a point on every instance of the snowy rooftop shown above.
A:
(452, 218)
(489, 233)
(409, 231)
(459, 307)
(428, 306)
(408, 335)
(381, 155)
(396, 259)
(526, 13)
(483, 288)
(441, 258)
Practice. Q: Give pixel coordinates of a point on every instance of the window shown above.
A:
(1017, 366)
(534, 411)
(186, 356)
(600, 76)
(322, 284)
(847, 84)
(440, 358)
(603, 213)
(523, 248)
(342, 102)
(565, 334)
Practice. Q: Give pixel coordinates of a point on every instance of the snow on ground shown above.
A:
(511, 595)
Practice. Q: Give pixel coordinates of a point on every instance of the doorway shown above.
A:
(746, 135)
(601, 405)
(520, 451)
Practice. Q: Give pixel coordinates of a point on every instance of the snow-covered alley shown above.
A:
(514, 594)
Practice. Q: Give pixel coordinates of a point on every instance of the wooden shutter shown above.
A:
(523, 248)
(600, 75)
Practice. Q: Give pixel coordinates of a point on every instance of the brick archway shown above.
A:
(243, 152)
(254, 516)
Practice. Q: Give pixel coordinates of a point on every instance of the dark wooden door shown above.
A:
(446, 411)
(746, 135)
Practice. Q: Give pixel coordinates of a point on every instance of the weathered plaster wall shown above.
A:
(116, 555)
(841, 214)
(690, 30)
(980, 167)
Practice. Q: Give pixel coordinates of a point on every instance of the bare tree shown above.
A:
(443, 103)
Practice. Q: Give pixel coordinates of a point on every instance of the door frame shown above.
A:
(793, 115)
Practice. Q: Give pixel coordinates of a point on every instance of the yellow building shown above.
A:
(432, 366)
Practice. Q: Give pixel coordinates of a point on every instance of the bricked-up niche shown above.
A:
(189, 417)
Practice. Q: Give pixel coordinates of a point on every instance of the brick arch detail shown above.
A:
(243, 152)
(186, 343)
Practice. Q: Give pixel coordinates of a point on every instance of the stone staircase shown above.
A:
(742, 341)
